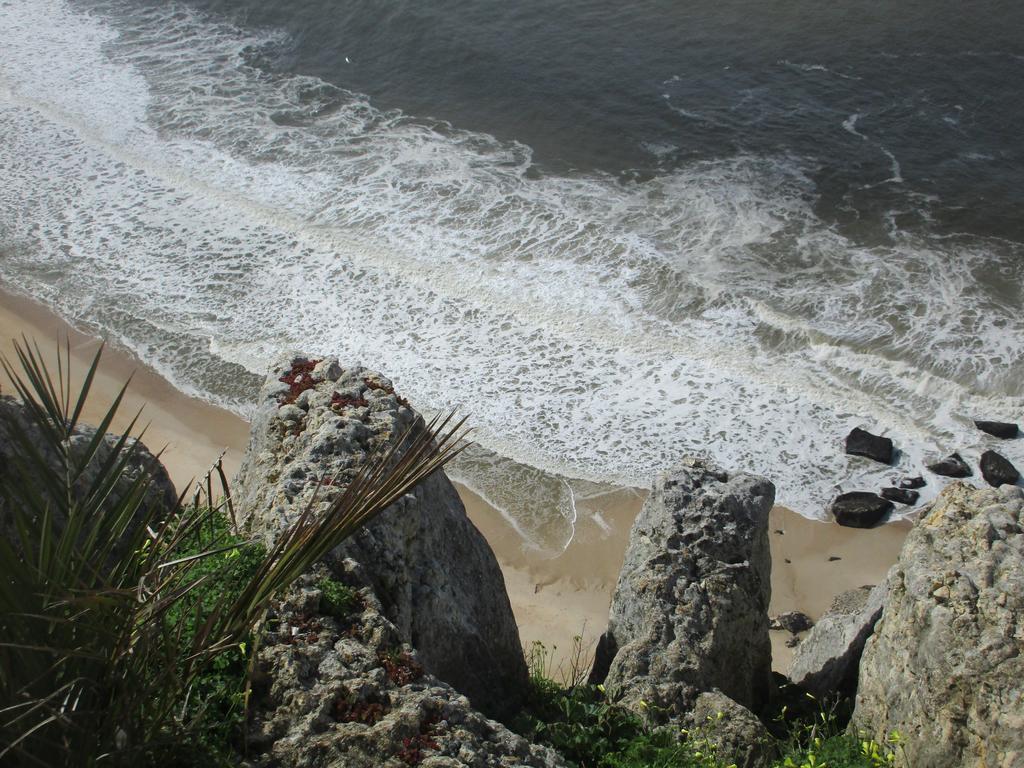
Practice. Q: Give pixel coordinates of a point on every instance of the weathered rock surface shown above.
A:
(825, 663)
(346, 693)
(945, 665)
(862, 443)
(435, 575)
(690, 609)
(951, 466)
(1001, 429)
(141, 463)
(737, 736)
(997, 470)
(859, 509)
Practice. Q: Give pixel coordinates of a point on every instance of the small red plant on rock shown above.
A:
(367, 712)
(387, 390)
(299, 378)
(402, 669)
(411, 752)
(338, 402)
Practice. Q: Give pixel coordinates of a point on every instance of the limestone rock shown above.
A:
(435, 575)
(690, 609)
(825, 664)
(736, 735)
(945, 665)
(141, 463)
(347, 693)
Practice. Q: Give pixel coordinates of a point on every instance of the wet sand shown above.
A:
(554, 598)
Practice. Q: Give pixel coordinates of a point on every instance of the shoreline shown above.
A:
(553, 598)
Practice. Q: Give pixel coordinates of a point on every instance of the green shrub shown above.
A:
(336, 599)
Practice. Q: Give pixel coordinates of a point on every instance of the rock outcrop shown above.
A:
(141, 463)
(737, 737)
(689, 613)
(436, 577)
(334, 690)
(945, 665)
(825, 663)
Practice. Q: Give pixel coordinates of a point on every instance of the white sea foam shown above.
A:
(209, 214)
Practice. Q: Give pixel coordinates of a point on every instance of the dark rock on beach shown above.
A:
(862, 443)
(913, 482)
(951, 466)
(859, 509)
(997, 470)
(1001, 429)
(793, 622)
(900, 495)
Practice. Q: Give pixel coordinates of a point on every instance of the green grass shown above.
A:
(216, 704)
(591, 732)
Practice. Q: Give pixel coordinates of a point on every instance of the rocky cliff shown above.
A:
(945, 665)
(435, 576)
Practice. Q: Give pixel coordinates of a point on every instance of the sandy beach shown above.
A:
(554, 598)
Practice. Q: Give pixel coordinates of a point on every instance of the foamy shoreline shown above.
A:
(554, 598)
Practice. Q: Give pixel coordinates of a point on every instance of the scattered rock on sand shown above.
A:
(951, 466)
(862, 443)
(997, 470)
(901, 495)
(913, 482)
(859, 509)
(1002, 429)
(793, 622)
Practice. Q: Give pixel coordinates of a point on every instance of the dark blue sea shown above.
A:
(613, 233)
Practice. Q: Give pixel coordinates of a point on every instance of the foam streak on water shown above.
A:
(162, 187)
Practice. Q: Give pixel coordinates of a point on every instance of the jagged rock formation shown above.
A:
(141, 463)
(825, 663)
(332, 691)
(437, 580)
(945, 665)
(689, 613)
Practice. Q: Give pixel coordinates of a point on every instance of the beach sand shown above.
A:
(554, 598)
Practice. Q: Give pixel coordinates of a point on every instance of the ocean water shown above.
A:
(613, 233)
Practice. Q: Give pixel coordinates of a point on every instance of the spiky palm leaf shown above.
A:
(91, 576)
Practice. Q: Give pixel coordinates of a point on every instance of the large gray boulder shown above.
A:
(826, 661)
(690, 611)
(434, 574)
(945, 665)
